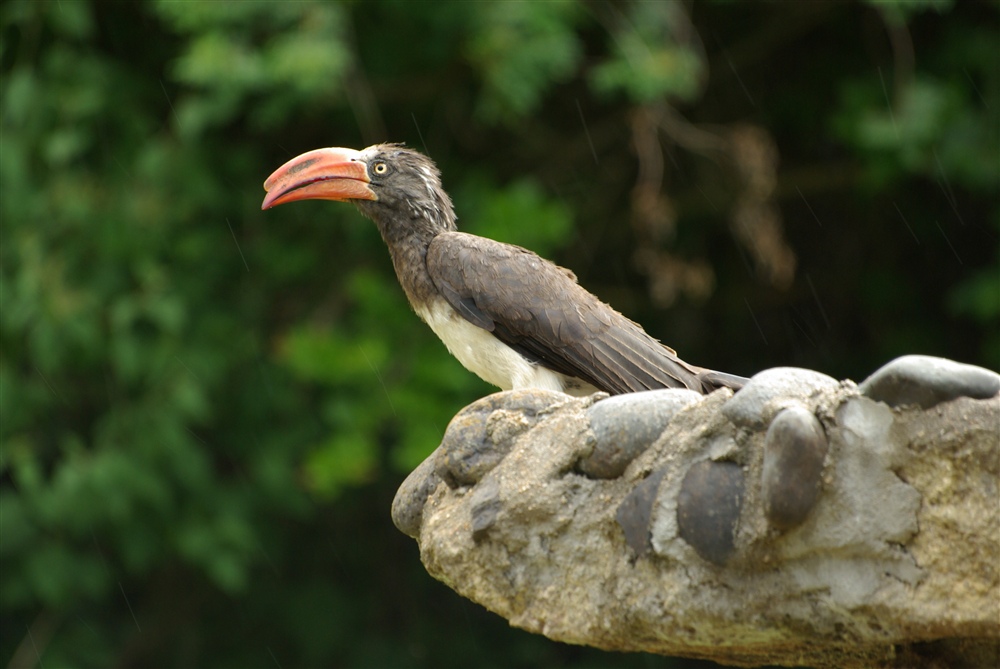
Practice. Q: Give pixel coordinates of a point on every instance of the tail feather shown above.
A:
(712, 380)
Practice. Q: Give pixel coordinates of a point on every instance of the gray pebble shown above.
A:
(485, 504)
(636, 511)
(626, 425)
(924, 381)
(482, 434)
(408, 505)
(708, 508)
(794, 451)
(770, 391)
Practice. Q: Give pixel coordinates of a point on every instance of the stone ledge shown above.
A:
(801, 521)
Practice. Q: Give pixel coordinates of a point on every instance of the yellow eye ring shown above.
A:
(380, 168)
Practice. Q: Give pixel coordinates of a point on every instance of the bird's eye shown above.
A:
(380, 168)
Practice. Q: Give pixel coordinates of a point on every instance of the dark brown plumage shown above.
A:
(532, 324)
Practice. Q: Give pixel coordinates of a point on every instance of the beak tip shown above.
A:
(268, 202)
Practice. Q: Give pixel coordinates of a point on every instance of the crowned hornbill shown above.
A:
(513, 318)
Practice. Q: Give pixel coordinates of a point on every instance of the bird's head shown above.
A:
(389, 183)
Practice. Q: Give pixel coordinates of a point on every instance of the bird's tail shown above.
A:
(712, 380)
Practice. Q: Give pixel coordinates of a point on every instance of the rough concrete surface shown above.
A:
(894, 562)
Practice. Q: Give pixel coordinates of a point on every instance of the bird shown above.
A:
(508, 315)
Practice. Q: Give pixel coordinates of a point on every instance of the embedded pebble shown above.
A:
(636, 511)
(795, 449)
(482, 434)
(708, 508)
(770, 391)
(485, 504)
(626, 425)
(408, 504)
(924, 381)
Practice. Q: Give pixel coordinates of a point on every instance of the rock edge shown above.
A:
(801, 521)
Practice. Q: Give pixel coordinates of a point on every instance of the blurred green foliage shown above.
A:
(205, 409)
(520, 49)
(653, 54)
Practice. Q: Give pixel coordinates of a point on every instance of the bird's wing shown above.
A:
(538, 309)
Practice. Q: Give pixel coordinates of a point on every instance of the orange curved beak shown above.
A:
(321, 174)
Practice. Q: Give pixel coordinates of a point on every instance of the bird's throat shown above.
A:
(407, 241)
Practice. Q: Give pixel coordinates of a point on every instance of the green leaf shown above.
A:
(519, 213)
(347, 458)
(522, 49)
(71, 19)
(332, 356)
(651, 59)
(902, 138)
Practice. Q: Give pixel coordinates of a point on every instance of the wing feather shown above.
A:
(538, 309)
